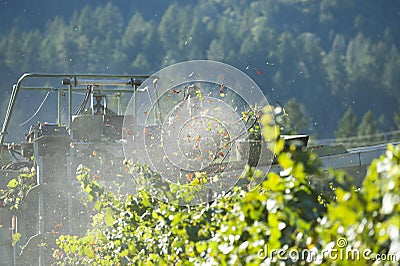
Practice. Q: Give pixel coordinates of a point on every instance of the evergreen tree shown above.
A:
(390, 76)
(106, 43)
(298, 118)
(151, 49)
(199, 39)
(13, 52)
(334, 65)
(360, 62)
(286, 59)
(169, 33)
(215, 51)
(137, 44)
(348, 125)
(397, 120)
(310, 79)
(367, 130)
(54, 54)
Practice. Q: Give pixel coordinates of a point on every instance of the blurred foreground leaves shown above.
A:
(287, 212)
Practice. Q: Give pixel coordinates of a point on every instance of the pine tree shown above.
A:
(298, 119)
(368, 129)
(347, 125)
(397, 120)
(334, 65)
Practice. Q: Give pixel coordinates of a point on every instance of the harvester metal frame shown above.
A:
(352, 160)
(60, 141)
(72, 81)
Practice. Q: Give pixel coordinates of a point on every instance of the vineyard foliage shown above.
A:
(286, 212)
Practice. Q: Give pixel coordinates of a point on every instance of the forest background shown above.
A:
(334, 64)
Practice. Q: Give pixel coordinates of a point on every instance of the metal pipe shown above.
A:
(118, 95)
(135, 103)
(41, 217)
(54, 89)
(85, 82)
(10, 108)
(59, 110)
(70, 104)
(14, 226)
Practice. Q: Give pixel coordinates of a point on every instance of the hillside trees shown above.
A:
(347, 125)
(56, 37)
(334, 65)
(298, 120)
(321, 52)
(360, 132)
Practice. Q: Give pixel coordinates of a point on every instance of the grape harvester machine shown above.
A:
(86, 132)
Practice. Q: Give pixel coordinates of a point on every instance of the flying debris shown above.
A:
(187, 136)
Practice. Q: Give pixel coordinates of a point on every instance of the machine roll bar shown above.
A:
(72, 81)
